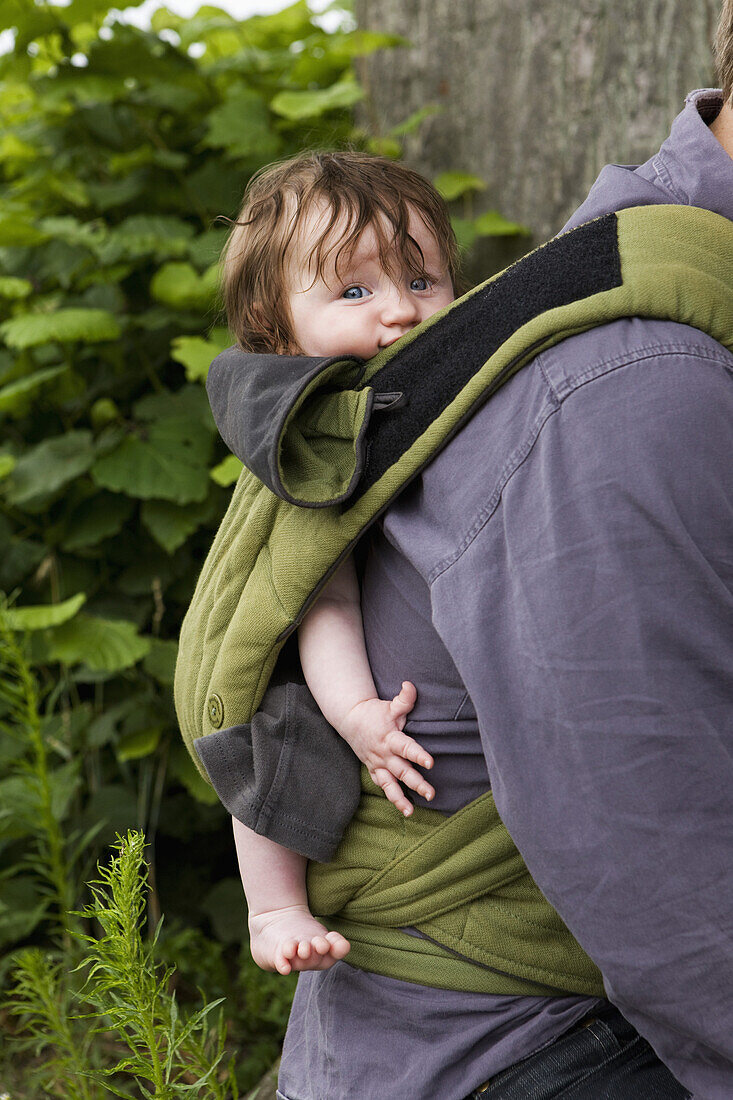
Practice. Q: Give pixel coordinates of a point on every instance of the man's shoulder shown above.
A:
(598, 352)
(599, 370)
(632, 384)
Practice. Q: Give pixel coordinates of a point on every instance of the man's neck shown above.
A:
(722, 128)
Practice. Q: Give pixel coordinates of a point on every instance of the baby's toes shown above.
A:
(339, 946)
(283, 964)
(321, 945)
(304, 949)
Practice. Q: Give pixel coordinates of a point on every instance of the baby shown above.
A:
(333, 254)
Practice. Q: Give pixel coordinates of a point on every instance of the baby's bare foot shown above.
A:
(292, 939)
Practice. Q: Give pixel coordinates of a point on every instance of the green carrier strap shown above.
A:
(461, 883)
(340, 462)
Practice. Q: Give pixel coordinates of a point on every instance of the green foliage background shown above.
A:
(118, 150)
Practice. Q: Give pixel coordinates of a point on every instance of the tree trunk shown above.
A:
(537, 95)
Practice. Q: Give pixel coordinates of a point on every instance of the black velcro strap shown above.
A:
(435, 368)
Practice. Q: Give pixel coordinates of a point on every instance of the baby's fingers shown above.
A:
(393, 790)
(405, 701)
(411, 778)
(406, 747)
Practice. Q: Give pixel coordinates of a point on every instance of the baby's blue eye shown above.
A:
(351, 296)
(420, 279)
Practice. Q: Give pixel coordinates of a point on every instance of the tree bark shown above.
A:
(537, 95)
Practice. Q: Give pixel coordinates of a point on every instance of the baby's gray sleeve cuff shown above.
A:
(287, 774)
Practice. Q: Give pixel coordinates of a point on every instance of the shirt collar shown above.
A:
(692, 165)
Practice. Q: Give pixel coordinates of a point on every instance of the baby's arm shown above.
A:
(336, 669)
(283, 934)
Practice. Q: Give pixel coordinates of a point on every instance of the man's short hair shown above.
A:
(724, 51)
(353, 188)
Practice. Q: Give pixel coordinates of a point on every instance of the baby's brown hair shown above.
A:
(359, 186)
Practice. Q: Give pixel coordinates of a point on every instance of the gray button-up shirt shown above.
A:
(559, 585)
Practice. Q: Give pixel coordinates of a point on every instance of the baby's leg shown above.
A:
(284, 936)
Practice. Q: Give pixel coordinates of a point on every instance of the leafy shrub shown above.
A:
(119, 149)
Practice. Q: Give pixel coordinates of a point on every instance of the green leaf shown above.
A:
(161, 661)
(225, 908)
(464, 231)
(196, 353)
(242, 126)
(122, 163)
(96, 519)
(12, 288)
(104, 644)
(183, 768)
(22, 908)
(385, 147)
(48, 466)
(452, 185)
(171, 97)
(23, 793)
(205, 249)
(190, 403)
(116, 806)
(65, 325)
(162, 236)
(228, 471)
(170, 524)
(416, 119)
(299, 105)
(17, 791)
(171, 464)
(7, 465)
(15, 232)
(179, 285)
(106, 196)
(13, 148)
(41, 617)
(133, 746)
(19, 558)
(14, 396)
(360, 43)
(493, 224)
(64, 782)
(82, 11)
(104, 727)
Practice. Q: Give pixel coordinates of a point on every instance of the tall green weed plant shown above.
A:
(125, 998)
(99, 975)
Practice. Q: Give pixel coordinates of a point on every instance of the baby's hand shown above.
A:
(373, 728)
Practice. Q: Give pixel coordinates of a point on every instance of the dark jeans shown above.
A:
(601, 1058)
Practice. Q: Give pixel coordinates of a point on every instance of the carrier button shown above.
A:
(216, 711)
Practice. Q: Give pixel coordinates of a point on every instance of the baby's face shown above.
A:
(363, 309)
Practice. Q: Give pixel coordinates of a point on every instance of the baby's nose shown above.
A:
(400, 308)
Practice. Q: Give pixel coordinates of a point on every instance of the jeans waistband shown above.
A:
(600, 1055)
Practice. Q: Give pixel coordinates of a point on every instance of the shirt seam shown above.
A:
(639, 355)
(519, 456)
(665, 178)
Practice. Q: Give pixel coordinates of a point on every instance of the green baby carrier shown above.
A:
(348, 437)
